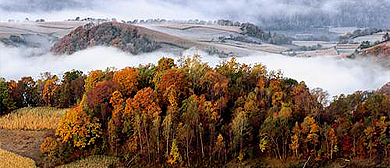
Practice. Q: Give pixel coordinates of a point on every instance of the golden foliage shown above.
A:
(174, 155)
(92, 79)
(294, 145)
(127, 80)
(333, 142)
(49, 145)
(32, 118)
(163, 65)
(220, 145)
(117, 102)
(285, 111)
(49, 90)
(77, 127)
(310, 127)
(132, 144)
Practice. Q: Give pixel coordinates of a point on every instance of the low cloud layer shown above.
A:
(349, 13)
(334, 75)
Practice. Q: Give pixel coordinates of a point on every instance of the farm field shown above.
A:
(28, 118)
(96, 161)
(23, 130)
(9, 159)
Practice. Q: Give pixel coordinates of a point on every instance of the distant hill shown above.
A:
(379, 53)
(128, 38)
(385, 89)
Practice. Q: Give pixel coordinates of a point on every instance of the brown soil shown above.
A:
(25, 143)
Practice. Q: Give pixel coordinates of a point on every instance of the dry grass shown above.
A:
(96, 161)
(28, 118)
(9, 159)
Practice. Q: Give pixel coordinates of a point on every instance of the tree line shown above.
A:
(48, 90)
(190, 114)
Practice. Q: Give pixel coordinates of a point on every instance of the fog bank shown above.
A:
(334, 75)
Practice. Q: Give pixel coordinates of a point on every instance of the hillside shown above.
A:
(134, 39)
(385, 89)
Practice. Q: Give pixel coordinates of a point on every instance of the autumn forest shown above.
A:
(186, 113)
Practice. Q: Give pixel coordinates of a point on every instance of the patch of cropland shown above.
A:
(9, 159)
(28, 118)
(96, 161)
(125, 37)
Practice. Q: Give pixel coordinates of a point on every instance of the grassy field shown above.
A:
(97, 161)
(9, 159)
(28, 118)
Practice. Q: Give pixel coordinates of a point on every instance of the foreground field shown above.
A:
(25, 143)
(9, 159)
(97, 161)
(28, 118)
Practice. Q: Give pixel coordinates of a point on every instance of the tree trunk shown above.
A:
(147, 143)
(277, 148)
(187, 146)
(168, 145)
(201, 143)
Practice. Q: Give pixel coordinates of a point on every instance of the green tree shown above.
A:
(275, 131)
(6, 103)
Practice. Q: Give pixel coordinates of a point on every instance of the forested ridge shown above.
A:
(191, 114)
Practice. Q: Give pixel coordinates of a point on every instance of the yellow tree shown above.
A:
(50, 90)
(163, 65)
(220, 147)
(369, 142)
(191, 123)
(93, 78)
(174, 156)
(115, 122)
(333, 142)
(78, 128)
(195, 69)
(239, 127)
(294, 146)
(171, 114)
(310, 128)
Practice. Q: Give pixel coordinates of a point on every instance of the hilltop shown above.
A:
(124, 37)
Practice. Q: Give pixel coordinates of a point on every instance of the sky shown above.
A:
(239, 10)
